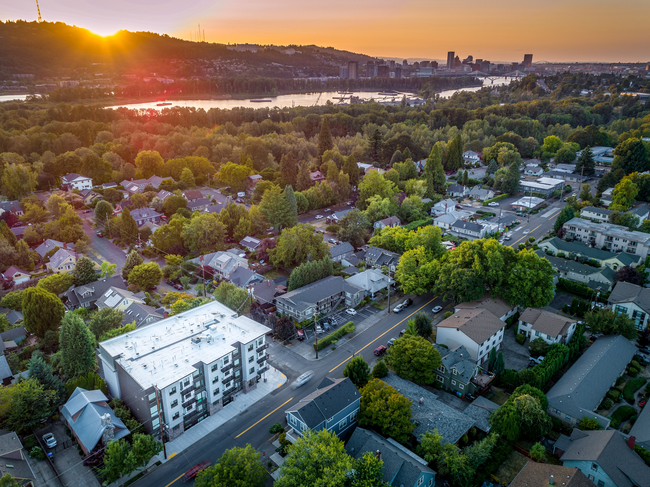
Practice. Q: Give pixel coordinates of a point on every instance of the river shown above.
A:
(283, 101)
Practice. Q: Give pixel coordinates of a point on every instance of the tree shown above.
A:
(84, 272)
(492, 167)
(357, 371)
(139, 200)
(630, 156)
(325, 141)
(18, 180)
(132, 260)
(376, 146)
(13, 300)
(536, 289)
(303, 181)
(115, 461)
(234, 175)
(143, 448)
(523, 414)
(585, 194)
(492, 359)
(380, 370)
(145, 276)
(396, 157)
(297, 245)
(455, 154)
(149, 163)
(351, 168)
(413, 358)
(104, 320)
(285, 329)
(367, 471)
(586, 165)
(628, 274)
(500, 365)
(430, 446)
(108, 269)
(417, 271)
(317, 459)
(538, 452)
(511, 180)
(128, 227)
(172, 204)
(40, 370)
(538, 347)
(77, 347)
(611, 322)
(588, 424)
(26, 403)
(310, 271)
(454, 464)
(383, 407)
(374, 184)
(290, 197)
(235, 298)
(42, 311)
(423, 324)
(623, 195)
(204, 234)
(354, 228)
(552, 144)
(8, 481)
(237, 467)
(479, 452)
(564, 216)
(276, 209)
(56, 283)
(187, 177)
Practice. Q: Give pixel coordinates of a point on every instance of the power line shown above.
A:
(40, 19)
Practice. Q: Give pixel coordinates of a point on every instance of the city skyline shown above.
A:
(506, 31)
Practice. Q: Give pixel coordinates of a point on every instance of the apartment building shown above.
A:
(180, 370)
(607, 236)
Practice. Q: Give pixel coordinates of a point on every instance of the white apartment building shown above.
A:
(184, 368)
(614, 238)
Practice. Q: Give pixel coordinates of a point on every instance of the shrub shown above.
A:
(496, 198)
(380, 370)
(344, 330)
(620, 380)
(631, 387)
(632, 372)
(418, 224)
(276, 428)
(606, 404)
(622, 414)
(643, 453)
(521, 338)
(447, 315)
(635, 364)
(614, 395)
(587, 423)
(37, 453)
(333, 229)
(565, 309)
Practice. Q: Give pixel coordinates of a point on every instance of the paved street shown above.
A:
(252, 425)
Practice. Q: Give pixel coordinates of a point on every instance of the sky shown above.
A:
(497, 30)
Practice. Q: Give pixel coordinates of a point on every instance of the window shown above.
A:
(153, 410)
(237, 373)
(251, 370)
(215, 392)
(227, 373)
(236, 362)
(343, 423)
(250, 359)
(215, 380)
(537, 333)
(175, 403)
(215, 367)
(594, 467)
(235, 352)
(453, 382)
(430, 481)
(461, 386)
(155, 423)
(260, 342)
(440, 379)
(292, 419)
(172, 390)
(176, 428)
(250, 347)
(568, 418)
(176, 415)
(353, 416)
(152, 397)
(420, 480)
(187, 396)
(226, 361)
(601, 483)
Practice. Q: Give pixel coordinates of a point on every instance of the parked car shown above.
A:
(507, 237)
(303, 379)
(644, 350)
(493, 203)
(328, 210)
(300, 335)
(401, 332)
(527, 231)
(437, 309)
(408, 302)
(398, 308)
(391, 341)
(380, 350)
(100, 234)
(49, 440)
(319, 217)
(537, 360)
(332, 240)
(319, 329)
(351, 311)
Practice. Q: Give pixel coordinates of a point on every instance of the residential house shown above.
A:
(63, 260)
(198, 204)
(543, 186)
(141, 314)
(605, 458)
(190, 365)
(446, 220)
(478, 193)
(471, 230)
(607, 196)
(533, 169)
(163, 194)
(598, 278)
(192, 194)
(146, 215)
(139, 185)
(18, 275)
(457, 370)
(341, 251)
(457, 190)
(615, 260)
(319, 298)
(480, 409)
(333, 406)
(265, 293)
(91, 420)
(550, 327)
(243, 277)
(49, 245)
(378, 258)
(13, 459)
(632, 300)
(76, 181)
(504, 220)
(11, 207)
(364, 168)
(371, 281)
(497, 306)
(13, 317)
(120, 299)
(544, 474)
(443, 207)
(350, 271)
(478, 330)
(250, 243)
(640, 211)
(19, 231)
(6, 376)
(392, 221)
(223, 263)
(354, 259)
(216, 195)
(428, 413)
(89, 196)
(86, 296)
(471, 157)
(251, 181)
(401, 467)
(581, 389)
(215, 208)
(337, 216)
(527, 203)
(600, 215)
(316, 177)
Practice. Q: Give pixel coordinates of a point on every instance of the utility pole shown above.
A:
(316, 333)
(160, 421)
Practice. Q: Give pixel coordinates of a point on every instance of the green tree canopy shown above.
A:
(84, 272)
(25, 403)
(610, 322)
(235, 298)
(298, 244)
(145, 276)
(77, 347)
(42, 311)
(586, 165)
(413, 358)
(105, 319)
(132, 260)
(386, 409)
(237, 467)
(276, 209)
(56, 283)
(358, 371)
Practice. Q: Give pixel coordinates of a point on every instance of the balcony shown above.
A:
(188, 388)
(191, 414)
(262, 347)
(262, 370)
(263, 358)
(227, 367)
(188, 402)
(229, 391)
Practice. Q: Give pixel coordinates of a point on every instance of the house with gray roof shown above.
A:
(48, 245)
(216, 208)
(139, 185)
(457, 370)
(243, 277)
(163, 194)
(6, 376)
(334, 406)
(250, 243)
(13, 459)
(63, 260)
(91, 420)
(533, 169)
(428, 413)
(75, 181)
(118, 298)
(550, 327)
(265, 293)
(223, 263)
(377, 258)
(571, 250)
(319, 298)
(480, 410)
(141, 314)
(341, 251)
(87, 295)
(371, 281)
(444, 206)
(198, 205)
(391, 221)
(632, 300)
(457, 190)
(12, 207)
(600, 215)
(146, 215)
(640, 211)
(581, 389)
(641, 429)
(192, 194)
(616, 238)
(606, 459)
(478, 193)
(471, 230)
(337, 216)
(597, 278)
(497, 306)
(401, 467)
(12, 316)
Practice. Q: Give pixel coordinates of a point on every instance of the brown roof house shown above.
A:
(544, 475)
(13, 459)
(550, 327)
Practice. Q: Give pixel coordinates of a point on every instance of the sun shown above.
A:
(106, 31)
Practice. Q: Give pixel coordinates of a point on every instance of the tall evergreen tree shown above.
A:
(128, 227)
(511, 180)
(465, 178)
(132, 260)
(325, 141)
(84, 272)
(303, 181)
(290, 196)
(455, 154)
(376, 146)
(397, 157)
(275, 208)
(77, 347)
(289, 169)
(492, 167)
(586, 164)
(565, 215)
(351, 169)
(42, 311)
(43, 373)
(406, 154)
(187, 177)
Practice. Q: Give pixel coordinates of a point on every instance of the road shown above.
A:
(252, 426)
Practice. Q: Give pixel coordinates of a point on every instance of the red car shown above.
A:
(100, 234)
(380, 350)
(301, 335)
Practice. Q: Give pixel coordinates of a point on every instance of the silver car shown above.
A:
(303, 379)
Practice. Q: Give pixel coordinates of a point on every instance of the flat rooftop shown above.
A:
(166, 351)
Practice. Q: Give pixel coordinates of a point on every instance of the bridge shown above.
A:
(480, 74)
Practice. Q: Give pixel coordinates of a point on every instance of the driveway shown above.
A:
(515, 356)
(560, 300)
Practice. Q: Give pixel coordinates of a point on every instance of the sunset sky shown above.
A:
(498, 30)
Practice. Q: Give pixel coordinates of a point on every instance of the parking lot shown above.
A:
(515, 356)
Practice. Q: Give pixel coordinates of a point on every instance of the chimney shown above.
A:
(109, 432)
(378, 455)
(165, 314)
(551, 481)
(631, 441)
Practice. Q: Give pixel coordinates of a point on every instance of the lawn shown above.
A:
(511, 467)
(273, 274)
(498, 396)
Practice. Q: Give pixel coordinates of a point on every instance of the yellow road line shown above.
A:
(555, 215)
(390, 329)
(173, 481)
(527, 235)
(262, 419)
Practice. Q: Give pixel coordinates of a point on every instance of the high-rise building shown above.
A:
(468, 60)
(370, 69)
(528, 60)
(383, 71)
(457, 62)
(391, 64)
(434, 64)
(353, 70)
(450, 59)
(398, 72)
(343, 72)
(405, 64)
(425, 64)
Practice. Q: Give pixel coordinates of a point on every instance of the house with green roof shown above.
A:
(457, 370)
(597, 278)
(615, 260)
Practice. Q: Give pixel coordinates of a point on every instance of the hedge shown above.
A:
(622, 414)
(631, 387)
(418, 224)
(344, 330)
(496, 198)
(576, 288)
(614, 395)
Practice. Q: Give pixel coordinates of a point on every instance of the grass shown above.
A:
(511, 467)
(498, 396)
(631, 387)
(273, 274)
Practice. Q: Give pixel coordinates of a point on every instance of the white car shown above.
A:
(526, 232)
(350, 311)
(49, 440)
(303, 379)
(493, 203)
(319, 217)
(437, 309)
